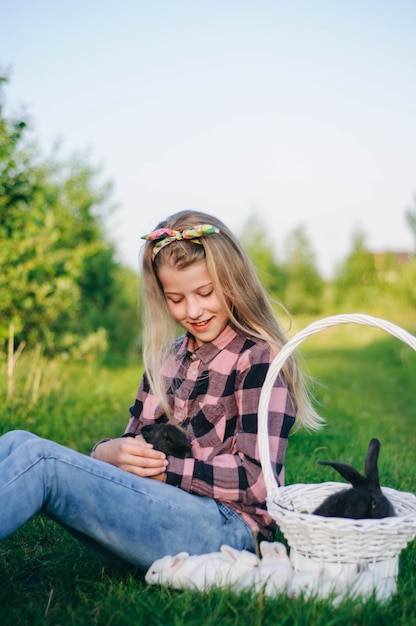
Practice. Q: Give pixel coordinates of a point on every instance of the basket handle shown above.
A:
(285, 352)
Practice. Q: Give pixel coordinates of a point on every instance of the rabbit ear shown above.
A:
(349, 473)
(371, 469)
(231, 554)
(270, 550)
(178, 560)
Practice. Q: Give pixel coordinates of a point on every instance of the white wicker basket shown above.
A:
(339, 546)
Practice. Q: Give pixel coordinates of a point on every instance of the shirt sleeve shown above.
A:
(146, 408)
(237, 476)
(135, 412)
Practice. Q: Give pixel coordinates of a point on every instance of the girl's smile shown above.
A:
(193, 302)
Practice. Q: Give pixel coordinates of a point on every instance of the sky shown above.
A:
(299, 112)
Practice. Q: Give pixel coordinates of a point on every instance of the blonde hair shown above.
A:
(238, 289)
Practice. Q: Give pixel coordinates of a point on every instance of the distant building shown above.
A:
(388, 264)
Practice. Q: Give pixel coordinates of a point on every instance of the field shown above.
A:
(365, 382)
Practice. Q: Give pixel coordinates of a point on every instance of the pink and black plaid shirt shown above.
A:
(214, 393)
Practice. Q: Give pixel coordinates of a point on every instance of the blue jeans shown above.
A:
(121, 516)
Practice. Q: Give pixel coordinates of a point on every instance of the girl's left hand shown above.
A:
(133, 455)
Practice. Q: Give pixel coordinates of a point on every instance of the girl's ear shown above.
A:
(349, 473)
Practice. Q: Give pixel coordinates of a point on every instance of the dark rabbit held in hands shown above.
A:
(365, 499)
(167, 438)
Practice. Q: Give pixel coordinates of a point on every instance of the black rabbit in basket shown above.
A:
(365, 499)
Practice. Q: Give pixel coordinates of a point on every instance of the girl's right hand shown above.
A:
(133, 455)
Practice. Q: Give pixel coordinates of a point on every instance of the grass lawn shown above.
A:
(365, 388)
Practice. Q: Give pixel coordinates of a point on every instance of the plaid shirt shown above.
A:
(214, 394)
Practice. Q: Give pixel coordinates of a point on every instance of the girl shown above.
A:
(195, 275)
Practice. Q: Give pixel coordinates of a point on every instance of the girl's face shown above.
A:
(193, 302)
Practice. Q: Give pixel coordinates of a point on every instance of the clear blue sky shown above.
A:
(303, 112)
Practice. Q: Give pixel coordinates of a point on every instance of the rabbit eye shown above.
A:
(374, 504)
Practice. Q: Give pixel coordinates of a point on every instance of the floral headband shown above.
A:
(165, 236)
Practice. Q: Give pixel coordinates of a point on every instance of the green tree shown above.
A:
(356, 280)
(58, 279)
(404, 288)
(411, 218)
(305, 285)
(256, 242)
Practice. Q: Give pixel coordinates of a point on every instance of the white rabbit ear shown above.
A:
(270, 550)
(178, 559)
(239, 558)
(231, 554)
(168, 562)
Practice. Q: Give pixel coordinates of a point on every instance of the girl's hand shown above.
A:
(133, 455)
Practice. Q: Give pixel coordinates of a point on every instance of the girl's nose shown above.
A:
(194, 309)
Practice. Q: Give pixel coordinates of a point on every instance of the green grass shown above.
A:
(366, 383)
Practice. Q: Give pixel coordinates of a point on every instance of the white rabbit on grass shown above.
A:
(365, 585)
(274, 571)
(220, 569)
(321, 585)
(317, 584)
(237, 569)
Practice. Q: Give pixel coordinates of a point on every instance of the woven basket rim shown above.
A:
(338, 539)
(394, 495)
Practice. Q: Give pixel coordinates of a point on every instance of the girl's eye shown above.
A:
(175, 300)
(206, 295)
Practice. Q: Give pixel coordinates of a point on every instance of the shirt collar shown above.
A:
(209, 350)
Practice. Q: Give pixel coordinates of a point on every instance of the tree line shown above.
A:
(61, 285)
(363, 280)
(60, 282)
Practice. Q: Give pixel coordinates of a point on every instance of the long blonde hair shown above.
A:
(238, 289)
